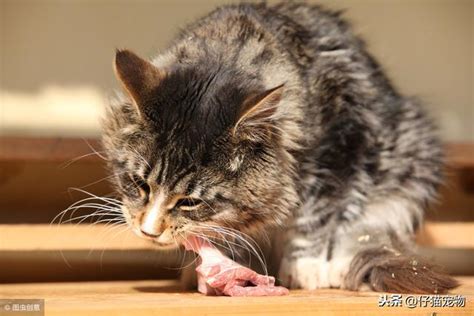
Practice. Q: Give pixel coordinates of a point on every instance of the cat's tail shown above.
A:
(386, 270)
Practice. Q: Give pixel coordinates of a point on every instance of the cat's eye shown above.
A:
(188, 204)
(142, 186)
(143, 191)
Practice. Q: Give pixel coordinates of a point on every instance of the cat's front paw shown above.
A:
(312, 273)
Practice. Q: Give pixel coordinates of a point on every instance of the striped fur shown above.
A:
(341, 161)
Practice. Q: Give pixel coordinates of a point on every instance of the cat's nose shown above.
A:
(148, 234)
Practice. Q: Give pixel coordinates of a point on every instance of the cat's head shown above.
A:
(193, 148)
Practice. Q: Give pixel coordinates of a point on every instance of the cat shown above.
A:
(262, 116)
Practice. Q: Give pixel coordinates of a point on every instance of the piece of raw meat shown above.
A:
(219, 275)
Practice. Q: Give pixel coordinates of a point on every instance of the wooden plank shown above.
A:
(454, 261)
(43, 237)
(63, 149)
(48, 149)
(460, 155)
(33, 160)
(456, 198)
(95, 265)
(93, 237)
(36, 191)
(164, 298)
(85, 265)
(91, 252)
(81, 252)
(447, 235)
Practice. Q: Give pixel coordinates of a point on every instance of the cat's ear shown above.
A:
(138, 76)
(257, 110)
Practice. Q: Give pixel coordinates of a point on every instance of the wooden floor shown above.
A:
(163, 298)
(38, 251)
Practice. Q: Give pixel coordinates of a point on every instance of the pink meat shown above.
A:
(219, 275)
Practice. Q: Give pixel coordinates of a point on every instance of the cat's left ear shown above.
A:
(138, 76)
(257, 110)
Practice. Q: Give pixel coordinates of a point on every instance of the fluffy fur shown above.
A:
(262, 116)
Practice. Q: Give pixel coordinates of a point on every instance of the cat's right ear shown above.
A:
(139, 77)
(257, 111)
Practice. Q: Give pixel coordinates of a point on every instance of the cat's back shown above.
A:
(282, 20)
(297, 29)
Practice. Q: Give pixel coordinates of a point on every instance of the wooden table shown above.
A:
(164, 298)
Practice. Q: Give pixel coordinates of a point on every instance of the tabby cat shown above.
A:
(260, 117)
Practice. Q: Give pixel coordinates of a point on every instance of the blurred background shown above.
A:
(56, 75)
(56, 55)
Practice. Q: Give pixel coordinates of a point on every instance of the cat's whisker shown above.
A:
(70, 162)
(216, 229)
(114, 221)
(199, 234)
(109, 222)
(111, 226)
(121, 231)
(224, 239)
(82, 218)
(253, 245)
(113, 237)
(230, 248)
(98, 207)
(207, 205)
(77, 205)
(229, 245)
(140, 157)
(105, 199)
(111, 209)
(267, 240)
(100, 180)
(244, 246)
(193, 250)
(115, 217)
(184, 253)
(95, 150)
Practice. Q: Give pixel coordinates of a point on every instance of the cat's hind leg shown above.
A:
(374, 250)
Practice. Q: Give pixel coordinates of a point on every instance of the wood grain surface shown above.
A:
(164, 298)
(100, 237)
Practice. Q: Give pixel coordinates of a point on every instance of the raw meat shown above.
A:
(219, 275)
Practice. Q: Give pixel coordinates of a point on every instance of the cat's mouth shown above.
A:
(161, 240)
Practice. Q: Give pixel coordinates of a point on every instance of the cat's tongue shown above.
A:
(219, 275)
